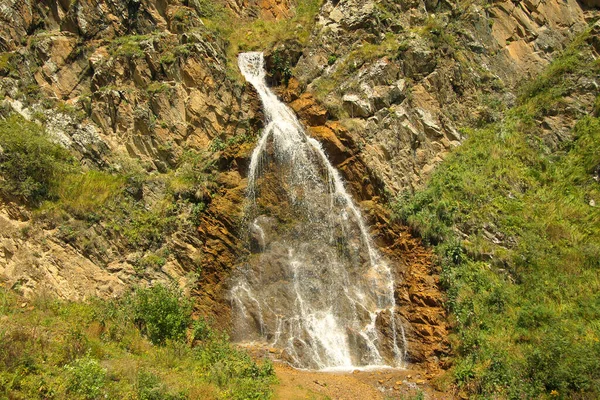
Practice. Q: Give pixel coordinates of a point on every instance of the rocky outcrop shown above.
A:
(39, 259)
(119, 83)
(384, 86)
(263, 9)
(404, 76)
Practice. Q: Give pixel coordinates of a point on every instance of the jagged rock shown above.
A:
(356, 107)
(385, 96)
(354, 14)
(309, 111)
(418, 61)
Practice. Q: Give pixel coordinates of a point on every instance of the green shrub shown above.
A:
(193, 177)
(30, 164)
(234, 371)
(8, 64)
(146, 229)
(128, 46)
(202, 331)
(152, 261)
(149, 387)
(161, 313)
(53, 350)
(86, 377)
(206, 8)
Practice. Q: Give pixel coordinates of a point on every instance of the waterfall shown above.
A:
(314, 285)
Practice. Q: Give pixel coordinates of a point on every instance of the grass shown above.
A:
(128, 46)
(85, 193)
(261, 34)
(358, 57)
(43, 175)
(8, 64)
(51, 349)
(30, 164)
(517, 237)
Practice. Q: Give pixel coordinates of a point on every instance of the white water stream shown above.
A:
(315, 286)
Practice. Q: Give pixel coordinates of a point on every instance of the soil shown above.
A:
(357, 385)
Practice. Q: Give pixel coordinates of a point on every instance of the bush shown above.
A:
(145, 229)
(161, 313)
(234, 371)
(86, 378)
(29, 163)
(52, 351)
(149, 387)
(202, 330)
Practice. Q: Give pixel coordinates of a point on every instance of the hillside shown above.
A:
(467, 134)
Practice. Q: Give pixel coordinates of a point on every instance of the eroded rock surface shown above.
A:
(384, 86)
(405, 76)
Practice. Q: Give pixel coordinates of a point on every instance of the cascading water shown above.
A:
(314, 285)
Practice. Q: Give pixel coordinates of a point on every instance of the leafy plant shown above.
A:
(86, 377)
(515, 231)
(30, 164)
(161, 313)
(151, 388)
(32, 355)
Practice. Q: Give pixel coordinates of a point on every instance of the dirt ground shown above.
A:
(383, 384)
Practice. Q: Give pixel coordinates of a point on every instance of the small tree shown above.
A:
(86, 378)
(161, 313)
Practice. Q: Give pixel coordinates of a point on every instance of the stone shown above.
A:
(334, 148)
(309, 110)
(356, 107)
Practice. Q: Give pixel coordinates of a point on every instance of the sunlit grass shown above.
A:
(57, 349)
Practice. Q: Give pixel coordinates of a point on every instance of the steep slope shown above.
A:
(513, 213)
(139, 90)
(159, 127)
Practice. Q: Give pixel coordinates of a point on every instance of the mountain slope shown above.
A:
(513, 214)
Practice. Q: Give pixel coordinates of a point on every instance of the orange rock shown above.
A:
(309, 111)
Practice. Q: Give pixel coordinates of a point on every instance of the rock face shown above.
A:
(384, 86)
(141, 81)
(404, 76)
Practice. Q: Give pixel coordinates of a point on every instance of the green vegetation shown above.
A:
(513, 220)
(129, 46)
(168, 58)
(30, 164)
(85, 377)
(8, 65)
(160, 315)
(194, 177)
(159, 87)
(51, 349)
(44, 175)
(261, 34)
(84, 193)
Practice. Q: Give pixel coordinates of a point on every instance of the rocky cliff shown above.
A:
(149, 90)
